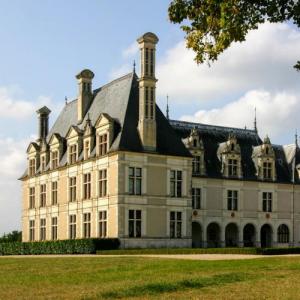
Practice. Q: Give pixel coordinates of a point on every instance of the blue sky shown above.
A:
(44, 44)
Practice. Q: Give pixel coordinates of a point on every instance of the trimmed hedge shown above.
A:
(80, 246)
(279, 251)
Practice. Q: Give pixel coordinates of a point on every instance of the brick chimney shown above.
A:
(43, 118)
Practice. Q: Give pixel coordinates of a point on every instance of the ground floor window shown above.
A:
(54, 228)
(72, 226)
(175, 224)
(135, 223)
(87, 225)
(283, 234)
(43, 229)
(103, 224)
(31, 230)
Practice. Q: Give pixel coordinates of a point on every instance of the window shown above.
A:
(102, 183)
(283, 234)
(31, 167)
(176, 183)
(102, 144)
(147, 62)
(267, 170)
(72, 187)
(196, 164)
(103, 224)
(87, 186)
(175, 224)
(72, 226)
(232, 167)
(72, 154)
(135, 223)
(43, 229)
(43, 194)
(135, 181)
(87, 225)
(151, 62)
(43, 163)
(54, 192)
(267, 202)
(152, 103)
(31, 197)
(54, 228)
(232, 200)
(54, 160)
(146, 102)
(196, 198)
(31, 230)
(86, 149)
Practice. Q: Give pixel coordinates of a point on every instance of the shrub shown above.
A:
(279, 251)
(82, 246)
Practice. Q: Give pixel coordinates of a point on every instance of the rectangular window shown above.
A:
(196, 198)
(54, 192)
(232, 167)
(43, 229)
(32, 197)
(135, 223)
(147, 62)
(196, 164)
(102, 183)
(87, 186)
(232, 200)
(43, 194)
(146, 102)
(72, 226)
(152, 103)
(31, 167)
(267, 170)
(151, 62)
(72, 154)
(54, 159)
(72, 187)
(54, 228)
(43, 163)
(267, 201)
(87, 225)
(176, 183)
(135, 181)
(86, 149)
(31, 230)
(175, 224)
(103, 224)
(102, 144)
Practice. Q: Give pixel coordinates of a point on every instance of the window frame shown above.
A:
(196, 198)
(196, 164)
(43, 229)
(232, 200)
(32, 166)
(175, 222)
(102, 224)
(43, 195)
(86, 222)
(267, 199)
(54, 227)
(87, 184)
(135, 180)
(72, 154)
(54, 192)
(72, 226)
(176, 183)
(31, 230)
(31, 197)
(102, 144)
(102, 183)
(233, 167)
(54, 159)
(72, 189)
(134, 223)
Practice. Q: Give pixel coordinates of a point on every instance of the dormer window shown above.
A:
(267, 170)
(43, 163)
(72, 154)
(32, 167)
(196, 164)
(232, 167)
(102, 144)
(87, 149)
(54, 159)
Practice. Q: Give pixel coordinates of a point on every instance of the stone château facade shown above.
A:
(113, 165)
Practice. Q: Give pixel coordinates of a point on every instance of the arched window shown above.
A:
(283, 234)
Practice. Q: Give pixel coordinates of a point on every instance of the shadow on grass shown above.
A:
(168, 287)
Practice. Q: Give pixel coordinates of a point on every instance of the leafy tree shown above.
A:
(211, 26)
(14, 236)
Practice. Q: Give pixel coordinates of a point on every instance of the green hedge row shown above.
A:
(82, 246)
(278, 251)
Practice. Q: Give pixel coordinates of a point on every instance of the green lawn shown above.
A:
(148, 278)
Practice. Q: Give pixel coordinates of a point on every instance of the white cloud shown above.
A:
(263, 61)
(131, 50)
(277, 114)
(118, 72)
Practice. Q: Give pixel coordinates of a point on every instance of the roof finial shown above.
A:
(66, 100)
(134, 66)
(255, 121)
(296, 138)
(167, 111)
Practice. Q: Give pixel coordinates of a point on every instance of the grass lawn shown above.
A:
(148, 278)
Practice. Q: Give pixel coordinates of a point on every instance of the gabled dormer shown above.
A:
(88, 139)
(264, 159)
(104, 134)
(33, 151)
(195, 145)
(229, 154)
(56, 145)
(74, 144)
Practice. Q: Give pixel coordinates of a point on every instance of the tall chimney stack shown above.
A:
(85, 94)
(43, 117)
(147, 85)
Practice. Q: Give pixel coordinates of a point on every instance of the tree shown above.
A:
(14, 236)
(211, 26)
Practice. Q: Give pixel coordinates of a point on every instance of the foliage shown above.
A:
(80, 246)
(14, 236)
(211, 26)
(280, 251)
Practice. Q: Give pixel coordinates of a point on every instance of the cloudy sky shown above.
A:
(44, 44)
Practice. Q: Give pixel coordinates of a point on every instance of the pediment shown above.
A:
(73, 131)
(55, 139)
(33, 147)
(103, 120)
